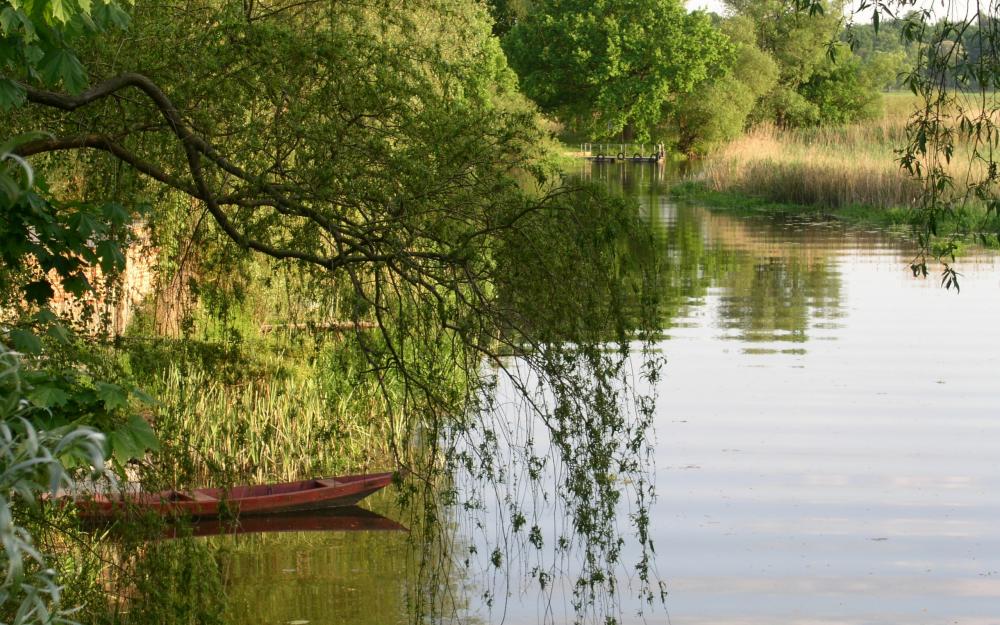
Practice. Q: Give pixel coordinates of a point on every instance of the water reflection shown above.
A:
(826, 450)
(826, 427)
(774, 281)
(345, 519)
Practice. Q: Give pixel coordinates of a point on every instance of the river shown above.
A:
(826, 445)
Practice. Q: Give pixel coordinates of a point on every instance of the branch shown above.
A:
(105, 143)
(195, 147)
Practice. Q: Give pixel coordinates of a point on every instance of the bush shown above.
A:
(717, 111)
(32, 462)
(842, 92)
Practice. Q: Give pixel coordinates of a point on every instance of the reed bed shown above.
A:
(268, 428)
(824, 167)
(835, 166)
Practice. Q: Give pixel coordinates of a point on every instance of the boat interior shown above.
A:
(239, 492)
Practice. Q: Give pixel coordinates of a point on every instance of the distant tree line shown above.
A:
(649, 68)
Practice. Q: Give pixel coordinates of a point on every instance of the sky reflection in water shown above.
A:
(827, 443)
(855, 479)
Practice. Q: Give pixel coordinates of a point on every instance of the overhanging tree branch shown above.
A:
(357, 249)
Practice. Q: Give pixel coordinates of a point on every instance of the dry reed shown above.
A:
(831, 168)
(834, 167)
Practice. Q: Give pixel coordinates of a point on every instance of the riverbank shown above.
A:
(738, 202)
(850, 173)
(899, 219)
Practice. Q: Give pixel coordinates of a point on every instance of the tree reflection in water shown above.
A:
(535, 503)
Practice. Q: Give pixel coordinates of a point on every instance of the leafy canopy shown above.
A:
(384, 152)
(606, 64)
(37, 38)
(817, 83)
(717, 110)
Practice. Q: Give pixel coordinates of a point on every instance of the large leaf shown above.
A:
(76, 284)
(112, 259)
(143, 433)
(123, 446)
(113, 395)
(48, 396)
(62, 65)
(115, 213)
(60, 333)
(133, 439)
(85, 223)
(39, 291)
(12, 95)
(25, 342)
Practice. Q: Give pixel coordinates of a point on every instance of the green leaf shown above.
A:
(60, 333)
(62, 65)
(112, 259)
(113, 395)
(45, 316)
(76, 284)
(144, 397)
(8, 19)
(111, 14)
(25, 342)
(61, 10)
(123, 446)
(143, 433)
(12, 95)
(115, 213)
(38, 292)
(85, 223)
(133, 439)
(48, 396)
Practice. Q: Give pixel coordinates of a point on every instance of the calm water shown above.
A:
(828, 446)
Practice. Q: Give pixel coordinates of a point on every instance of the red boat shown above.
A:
(317, 494)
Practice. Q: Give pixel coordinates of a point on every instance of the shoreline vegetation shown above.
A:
(846, 172)
(849, 172)
(395, 170)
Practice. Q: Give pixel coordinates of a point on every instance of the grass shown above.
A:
(826, 167)
(265, 430)
(236, 403)
(740, 203)
(847, 172)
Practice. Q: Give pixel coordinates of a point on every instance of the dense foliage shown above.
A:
(610, 65)
(717, 110)
(33, 462)
(816, 84)
(382, 158)
(378, 169)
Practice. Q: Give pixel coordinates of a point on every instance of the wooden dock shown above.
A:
(600, 158)
(622, 153)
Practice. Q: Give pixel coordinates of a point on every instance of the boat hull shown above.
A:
(317, 494)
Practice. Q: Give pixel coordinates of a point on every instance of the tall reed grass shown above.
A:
(279, 407)
(274, 429)
(832, 167)
(824, 167)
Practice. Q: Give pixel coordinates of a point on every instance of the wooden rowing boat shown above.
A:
(316, 494)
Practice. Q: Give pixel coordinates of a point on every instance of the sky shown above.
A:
(957, 7)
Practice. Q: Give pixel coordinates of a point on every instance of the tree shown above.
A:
(884, 55)
(842, 90)
(717, 110)
(506, 13)
(956, 68)
(609, 64)
(385, 152)
(799, 38)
